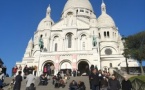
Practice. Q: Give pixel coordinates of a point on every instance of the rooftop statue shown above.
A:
(94, 41)
(41, 44)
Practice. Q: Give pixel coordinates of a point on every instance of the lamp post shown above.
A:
(125, 53)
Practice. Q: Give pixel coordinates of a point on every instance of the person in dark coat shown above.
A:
(94, 77)
(114, 84)
(126, 84)
(104, 84)
(81, 86)
(18, 81)
(73, 85)
(32, 87)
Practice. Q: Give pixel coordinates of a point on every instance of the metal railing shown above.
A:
(138, 84)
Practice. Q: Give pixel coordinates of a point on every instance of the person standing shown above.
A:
(94, 77)
(29, 80)
(104, 84)
(126, 84)
(114, 84)
(52, 69)
(18, 81)
(35, 70)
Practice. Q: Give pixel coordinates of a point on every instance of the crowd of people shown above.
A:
(26, 70)
(99, 80)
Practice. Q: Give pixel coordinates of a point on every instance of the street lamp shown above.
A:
(125, 53)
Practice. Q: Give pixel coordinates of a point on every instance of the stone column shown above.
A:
(74, 61)
(57, 58)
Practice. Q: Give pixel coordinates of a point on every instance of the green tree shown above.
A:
(135, 45)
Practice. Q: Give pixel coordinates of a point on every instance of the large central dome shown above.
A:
(78, 4)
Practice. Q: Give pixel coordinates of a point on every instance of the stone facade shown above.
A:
(77, 40)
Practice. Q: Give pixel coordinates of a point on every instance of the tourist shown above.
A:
(48, 70)
(87, 70)
(35, 70)
(65, 79)
(45, 70)
(25, 70)
(104, 84)
(54, 80)
(81, 86)
(4, 70)
(43, 79)
(11, 85)
(68, 74)
(18, 81)
(73, 85)
(30, 79)
(20, 68)
(52, 69)
(32, 87)
(78, 73)
(94, 77)
(1, 85)
(15, 70)
(74, 73)
(62, 74)
(2, 76)
(61, 83)
(100, 78)
(114, 84)
(126, 84)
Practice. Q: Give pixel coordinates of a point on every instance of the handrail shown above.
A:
(138, 84)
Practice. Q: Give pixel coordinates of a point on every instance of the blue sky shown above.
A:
(19, 20)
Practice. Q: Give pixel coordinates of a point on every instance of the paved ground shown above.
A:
(51, 87)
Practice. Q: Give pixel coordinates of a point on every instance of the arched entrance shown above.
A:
(48, 63)
(46, 67)
(66, 67)
(83, 67)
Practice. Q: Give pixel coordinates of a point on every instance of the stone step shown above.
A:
(50, 86)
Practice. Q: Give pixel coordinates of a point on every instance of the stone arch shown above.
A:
(110, 47)
(83, 33)
(69, 39)
(64, 61)
(54, 35)
(83, 66)
(70, 10)
(45, 62)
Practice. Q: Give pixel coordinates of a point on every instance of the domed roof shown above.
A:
(105, 20)
(44, 24)
(78, 4)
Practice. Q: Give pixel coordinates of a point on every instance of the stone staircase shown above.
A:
(50, 86)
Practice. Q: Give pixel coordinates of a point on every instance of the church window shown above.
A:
(55, 47)
(77, 11)
(99, 35)
(81, 10)
(87, 11)
(108, 34)
(69, 40)
(113, 34)
(104, 34)
(70, 13)
(83, 46)
(110, 64)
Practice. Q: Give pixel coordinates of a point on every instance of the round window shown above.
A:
(108, 51)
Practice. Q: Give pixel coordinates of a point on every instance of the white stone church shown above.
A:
(77, 40)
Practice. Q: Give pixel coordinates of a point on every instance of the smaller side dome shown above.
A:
(105, 20)
(45, 23)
